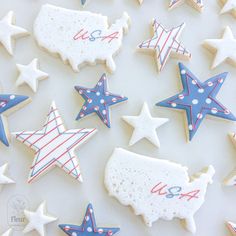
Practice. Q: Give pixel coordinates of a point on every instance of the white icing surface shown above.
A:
(7, 233)
(4, 180)
(145, 126)
(58, 30)
(131, 178)
(229, 7)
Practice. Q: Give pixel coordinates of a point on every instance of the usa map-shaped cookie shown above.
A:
(79, 37)
(156, 189)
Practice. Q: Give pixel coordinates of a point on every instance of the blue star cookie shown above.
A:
(198, 99)
(88, 227)
(83, 2)
(8, 103)
(98, 100)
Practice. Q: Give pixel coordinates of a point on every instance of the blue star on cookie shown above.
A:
(98, 100)
(88, 227)
(198, 99)
(8, 103)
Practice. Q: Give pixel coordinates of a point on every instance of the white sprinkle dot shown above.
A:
(104, 112)
(114, 99)
(87, 218)
(221, 81)
(199, 115)
(88, 91)
(208, 100)
(89, 229)
(80, 91)
(209, 84)
(90, 100)
(12, 97)
(173, 104)
(74, 234)
(84, 108)
(100, 231)
(96, 108)
(194, 81)
(102, 101)
(66, 228)
(181, 96)
(190, 127)
(214, 110)
(194, 101)
(81, 115)
(227, 112)
(201, 90)
(183, 72)
(98, 93)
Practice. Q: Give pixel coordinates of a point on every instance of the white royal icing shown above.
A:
(156, 189)
(80, 37)
(7, 233)
(229, 7)
(4, 180)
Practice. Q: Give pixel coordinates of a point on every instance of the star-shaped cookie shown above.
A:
(165, 43)
(145, 126)
(88, 227)
(8, 104)
(229, 7)
(230, 180)
(4, 180)
(232, 227)
(9, 31)
(98, 100)
(38, 220)
(54, 146)
(197, 4)
(224, 48)
(198, 99)
(7, 233)
(30, 74)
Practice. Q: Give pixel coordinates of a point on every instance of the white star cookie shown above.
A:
(38, 220)
(229, 7)
(3, 178)
(9, 31)
(224, 48)
(30, 74)
(145, 126)
(7, 233)
(197, 4)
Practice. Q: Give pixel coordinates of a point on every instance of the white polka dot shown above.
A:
(199, 115)
(66, 228)
(190, 127)
(2, 104)
(12, 97)
(84, 108)
(104, 112)
(209, 84)
(114, 99)
(88, 91)
(100, 231)
(91, 210)
(89, 229)
(201, 90)
(81, 115)
(102, 101)
(107, 93)
(74, 234)
(80, 91)
(90, 100)
(208, 100)
(227, 112)
(96, 108)
(221, 81)
(173, 104)
(99, 83)
(183, 72)
(181, 96)
(87, 218)
(98, 93)
(194, 81)
(214, 110)
(110, 233)
(194, 101)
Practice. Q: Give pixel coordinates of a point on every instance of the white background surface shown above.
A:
(137, 78)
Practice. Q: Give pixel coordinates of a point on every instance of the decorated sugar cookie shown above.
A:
(229, 7)
(224, 48)
(38, 220)
(7, 233)
(30, 74)
(98, 100)
(54, 146)
(88, 227)
(198, 99)
(4, 180)
(231, 178)
(9, 31)
(156, 189)
(80, 37)
(144, 126)
(197, 4)
(165, 43)
(9, 103)
(232, 227)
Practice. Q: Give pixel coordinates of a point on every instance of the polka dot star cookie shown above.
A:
(98, 100)
(164, 44)
(198, 99)
(88, 227)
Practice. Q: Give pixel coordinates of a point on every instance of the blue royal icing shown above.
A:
(7, 102)
(88, 227)
(98, 100)
(198, 99)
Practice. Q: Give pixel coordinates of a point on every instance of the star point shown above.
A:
(198, 99)
(98, 100)
(7, 233)
(223, 48)
(88, 226)
(196, 4)
(145, 126)
(229, 7)
(30, 74)
(232, 227)
(165, 44)
(54, 146)
(38, 220)
(9, 31)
